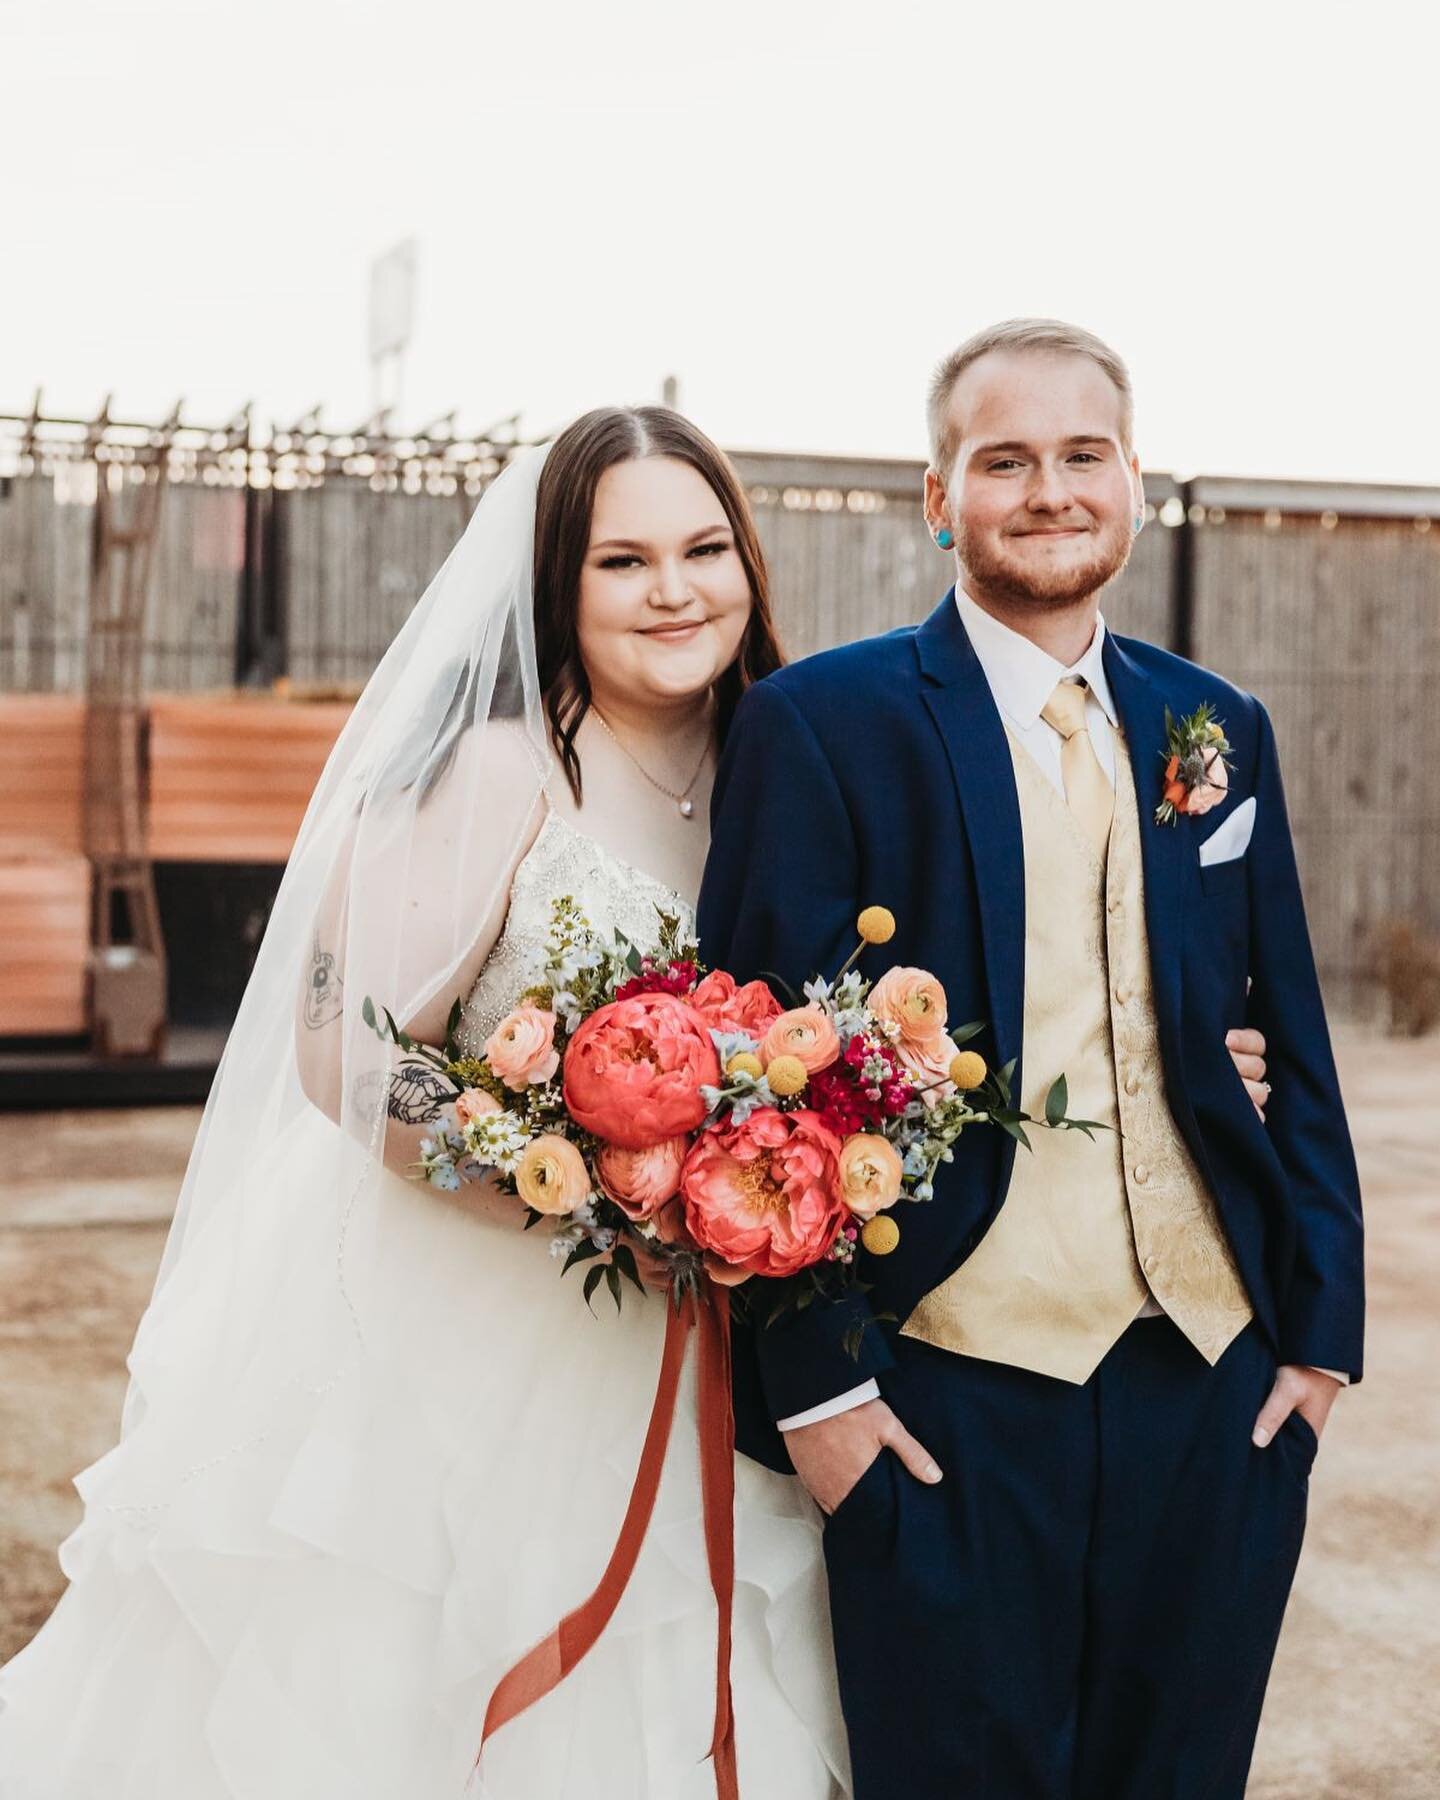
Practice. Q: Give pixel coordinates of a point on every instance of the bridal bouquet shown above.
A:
(639, 1100)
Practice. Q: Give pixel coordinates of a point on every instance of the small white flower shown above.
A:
(497, 1139)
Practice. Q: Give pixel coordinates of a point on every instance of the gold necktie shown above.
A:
(1087, 793)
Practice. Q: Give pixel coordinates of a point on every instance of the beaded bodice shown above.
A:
(612, 895)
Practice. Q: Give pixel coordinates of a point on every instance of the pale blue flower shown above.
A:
(732, 1043)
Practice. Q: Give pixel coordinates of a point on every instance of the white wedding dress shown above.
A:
(321, 1609)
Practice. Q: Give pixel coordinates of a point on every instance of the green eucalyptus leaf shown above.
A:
(593, 1278)
(962, 1034)
(1057, 1100)
(612, 1281)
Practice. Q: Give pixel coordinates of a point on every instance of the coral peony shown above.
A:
(641, 1181)
(521, 1049)
(764, 1196)
(551, 1175)
(806, 1033)
(870, 1172)
(634, 1070)
(724, 1007)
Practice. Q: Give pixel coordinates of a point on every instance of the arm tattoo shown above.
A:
(417, 1093)
(325, 992)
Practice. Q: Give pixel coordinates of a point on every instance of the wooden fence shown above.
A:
(1324, 601)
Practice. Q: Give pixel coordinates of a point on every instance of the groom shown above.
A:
(1066, 1477)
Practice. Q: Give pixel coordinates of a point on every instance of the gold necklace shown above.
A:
(682, 799)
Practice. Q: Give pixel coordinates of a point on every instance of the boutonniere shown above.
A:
(1197, 775)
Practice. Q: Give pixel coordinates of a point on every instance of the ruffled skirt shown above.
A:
(341, 1510)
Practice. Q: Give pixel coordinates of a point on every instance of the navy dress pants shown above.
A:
(1086, 1607)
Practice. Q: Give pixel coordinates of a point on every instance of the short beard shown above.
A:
(996, 576)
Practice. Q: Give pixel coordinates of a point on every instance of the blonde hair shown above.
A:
(1020, 335)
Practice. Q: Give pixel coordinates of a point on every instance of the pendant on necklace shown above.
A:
(687, 807)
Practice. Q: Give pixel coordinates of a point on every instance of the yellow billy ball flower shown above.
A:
(967, 1070)
(744, 1062)
(876, 924)
(787, 1077)
(880, 1235)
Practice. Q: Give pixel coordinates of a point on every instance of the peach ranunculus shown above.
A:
(912, 1003)
(551, 1175)
(806, 1033)
(641, 1181)
(870, 1174)
(473, 1104)
(764, 1196)
(521, 1049)
(725, 1007)
(634, 1070)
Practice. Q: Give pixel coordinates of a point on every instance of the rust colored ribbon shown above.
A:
(542, 1669)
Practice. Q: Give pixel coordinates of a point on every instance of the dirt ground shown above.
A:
(1352, 1713)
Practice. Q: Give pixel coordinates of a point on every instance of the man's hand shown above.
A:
(1247, 1052)
(831, 1455)
(1296, 1389)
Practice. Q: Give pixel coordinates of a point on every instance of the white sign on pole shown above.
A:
(392, 299)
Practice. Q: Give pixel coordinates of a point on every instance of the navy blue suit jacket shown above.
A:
(880, 774)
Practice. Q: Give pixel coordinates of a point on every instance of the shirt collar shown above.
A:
(1021, 675)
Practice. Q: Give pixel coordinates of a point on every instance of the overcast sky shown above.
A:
(794, 206)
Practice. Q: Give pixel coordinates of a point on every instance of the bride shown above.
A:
(374, 1446)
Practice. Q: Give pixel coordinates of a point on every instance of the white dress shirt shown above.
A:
(1022, 677)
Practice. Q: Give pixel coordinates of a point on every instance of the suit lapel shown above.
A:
(1166, 851)
(973, 735)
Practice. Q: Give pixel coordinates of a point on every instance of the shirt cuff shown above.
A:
(827, 1409)
(1334, 1374)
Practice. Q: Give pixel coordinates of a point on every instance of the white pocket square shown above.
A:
(1231, 839)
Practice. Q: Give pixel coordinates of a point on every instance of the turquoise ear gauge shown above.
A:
(945, 538)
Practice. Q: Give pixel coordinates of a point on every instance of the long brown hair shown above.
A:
(563, 508)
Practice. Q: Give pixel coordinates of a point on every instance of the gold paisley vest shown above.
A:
(1089, 1231)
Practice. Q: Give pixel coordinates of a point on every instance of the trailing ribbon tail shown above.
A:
(717, 1489)
(542, 1669)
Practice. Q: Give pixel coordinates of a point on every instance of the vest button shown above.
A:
(1142, 1174)
(1121, 995)
(1132, 1084)
(1115, 904)
(1151, 1263)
